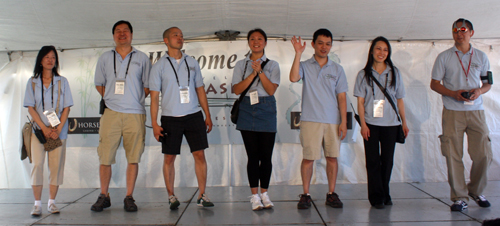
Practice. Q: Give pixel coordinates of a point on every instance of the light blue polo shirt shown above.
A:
(271, 70)
(162, 79)
(319, 91)
(132, 101)
(35, 99)
(447, 68)
(364, 89)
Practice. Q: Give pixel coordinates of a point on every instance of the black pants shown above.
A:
(259, 147)
(379, 154)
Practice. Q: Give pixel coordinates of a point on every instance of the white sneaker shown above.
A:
(53, 208)
(36, 211)
(256, 202)
(266, 201)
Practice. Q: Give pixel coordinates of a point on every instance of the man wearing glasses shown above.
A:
(464, 72)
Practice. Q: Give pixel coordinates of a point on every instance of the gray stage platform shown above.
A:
(414, 204)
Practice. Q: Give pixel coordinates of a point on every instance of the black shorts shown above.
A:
(192, 126)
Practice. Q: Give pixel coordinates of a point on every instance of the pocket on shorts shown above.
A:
(445, 145)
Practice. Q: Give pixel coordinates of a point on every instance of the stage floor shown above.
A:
(414, 204)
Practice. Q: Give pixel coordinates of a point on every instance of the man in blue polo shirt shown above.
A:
(178, 77)
(460, 69)
(122, 79)
(324, 112)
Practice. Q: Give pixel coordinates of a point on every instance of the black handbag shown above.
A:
(400, 137)
(235, 110)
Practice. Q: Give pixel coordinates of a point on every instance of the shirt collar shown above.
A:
(133, 50)
(312, 60)
(38, 82)
(182, 57)
(469, 52)
(387, 69)
(262, 59)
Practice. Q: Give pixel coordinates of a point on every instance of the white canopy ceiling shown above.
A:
(30, 24)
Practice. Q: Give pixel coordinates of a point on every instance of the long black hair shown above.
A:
(41, 54)
(388, 61)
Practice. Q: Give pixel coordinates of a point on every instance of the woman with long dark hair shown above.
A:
(378, 119)
(257, 114)
(48, 99)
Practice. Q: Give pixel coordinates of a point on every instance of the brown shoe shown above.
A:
(129, 204)
(333, 200)
(304, 202)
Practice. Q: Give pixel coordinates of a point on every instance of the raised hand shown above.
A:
(299, 48)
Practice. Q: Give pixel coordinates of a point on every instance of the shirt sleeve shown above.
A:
(360, 85)
(198, 77)
(341, 86)
(146, 68)
(155, 79)
(68, 97)
(100, 72)
(400, 87)
(29, 95)
(275, 74)
(486, 65)
(238, 72)
(438, 70)
(301, 70)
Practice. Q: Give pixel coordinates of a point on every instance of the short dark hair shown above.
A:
(38, 64)
(167, 32)
(123, 22)
(322, 31)
(467, 23)
(256, 30)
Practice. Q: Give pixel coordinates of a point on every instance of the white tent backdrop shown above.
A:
(419, 159)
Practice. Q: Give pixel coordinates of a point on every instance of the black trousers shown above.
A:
(379, 154)
(259, 147)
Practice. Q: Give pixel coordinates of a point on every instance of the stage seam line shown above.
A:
(35, 223)
(479, 221)
(189, 202)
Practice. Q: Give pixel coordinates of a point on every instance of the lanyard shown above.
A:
(245, 71)
(52, 96)
(177, 77)
(386, 78)
(468, 68)
(114, 64)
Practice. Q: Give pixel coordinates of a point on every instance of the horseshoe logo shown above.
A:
(72, 129)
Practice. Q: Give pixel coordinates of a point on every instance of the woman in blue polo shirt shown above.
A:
(379, 121)
(257, 115)
(48, 99)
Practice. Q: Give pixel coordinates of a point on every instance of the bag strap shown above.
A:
(58, 96)
(242, 95)
(386, 95)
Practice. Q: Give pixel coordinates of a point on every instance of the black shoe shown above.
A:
(388, 203)
(103, 201)
(129, 204)
(379, 206)
(458, 205)
(333, 200)
(480, 200)
(304, 202)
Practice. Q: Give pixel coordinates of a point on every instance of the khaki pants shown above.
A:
(455, 123)
(55, 160)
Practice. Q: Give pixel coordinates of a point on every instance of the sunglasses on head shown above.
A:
(462, 29)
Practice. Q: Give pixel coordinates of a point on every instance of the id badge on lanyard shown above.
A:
(120, 87)
(184, 94)
(52, 117)
(378, 108)
(254, 97)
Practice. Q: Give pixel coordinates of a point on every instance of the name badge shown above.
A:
(469, 102)
(254, 97)
(378, 108)
(52, 117)
(120, 87)
(184, 93)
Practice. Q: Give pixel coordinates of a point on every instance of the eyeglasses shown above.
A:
(461, 29)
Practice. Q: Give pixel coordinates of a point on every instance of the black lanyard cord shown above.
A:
(386, 78)
(51, 96)
(245, 71)
(114, 64)
(175, 72)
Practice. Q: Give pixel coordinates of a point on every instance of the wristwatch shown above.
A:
(260, 72)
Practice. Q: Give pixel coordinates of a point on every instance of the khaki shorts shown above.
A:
(114, 125)
(315, 135)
